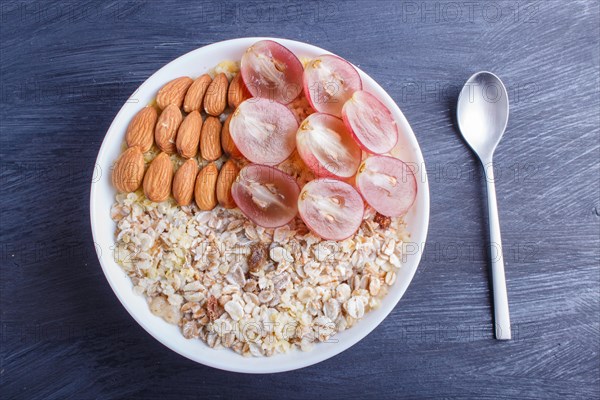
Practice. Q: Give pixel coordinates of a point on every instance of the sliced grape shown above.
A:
(326, 146)
(387, 184)
(330, 208)
(370, 122)
(266, 195)
(264, 131)
(271, 71)
(329, 81)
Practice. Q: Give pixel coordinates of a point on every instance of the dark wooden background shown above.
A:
(67, 67)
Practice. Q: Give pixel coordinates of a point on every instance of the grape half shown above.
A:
(264, 131)
(370, 122)
(332, 209)
(266, 195)
(329, 81)
(272, 71)
(327, 147)
(387, 184)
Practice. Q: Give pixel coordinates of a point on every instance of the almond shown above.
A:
(215, 99)
(195, 94)
(173, 92)
(205, 189)
(157, 182)
(237, 92)
(140, 131)
(166, 128)
(128, 171)
(227, 142)
(183, 182)
(229, 171)
(188, 135)
(210, 139)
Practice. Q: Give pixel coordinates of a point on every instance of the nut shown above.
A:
(237, 92)
(128, 171)
(188, 135)
(227, 142)
(212, 308)
(173, 92)
(140, 131)
(215, 99)
(258, 257)
(227, 175)
(195, 94)
(383, 221)
(166, 129)
(157, 182)
(205, 189)
(183, 182)
(210, 139)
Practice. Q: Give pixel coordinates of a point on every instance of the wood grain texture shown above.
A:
(66, 69)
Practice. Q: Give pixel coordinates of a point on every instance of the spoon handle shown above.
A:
(501, 313)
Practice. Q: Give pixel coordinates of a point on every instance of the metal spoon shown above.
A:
(482, 115)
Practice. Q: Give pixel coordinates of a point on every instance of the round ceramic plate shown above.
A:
(102, 197)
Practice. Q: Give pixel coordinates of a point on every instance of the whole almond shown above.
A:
(173, 92)
(195, 94)
(210, 139)
(227, 142)
(237, 92)
(157, 182)
(166, 128)
(205, 188)
(184, 181)
(215, 99)
(128, 171)
(140, 131)
(188, 135)
(229, 171)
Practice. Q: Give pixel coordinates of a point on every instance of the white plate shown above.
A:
(102, 197)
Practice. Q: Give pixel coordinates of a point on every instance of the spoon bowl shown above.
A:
(482, 113)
